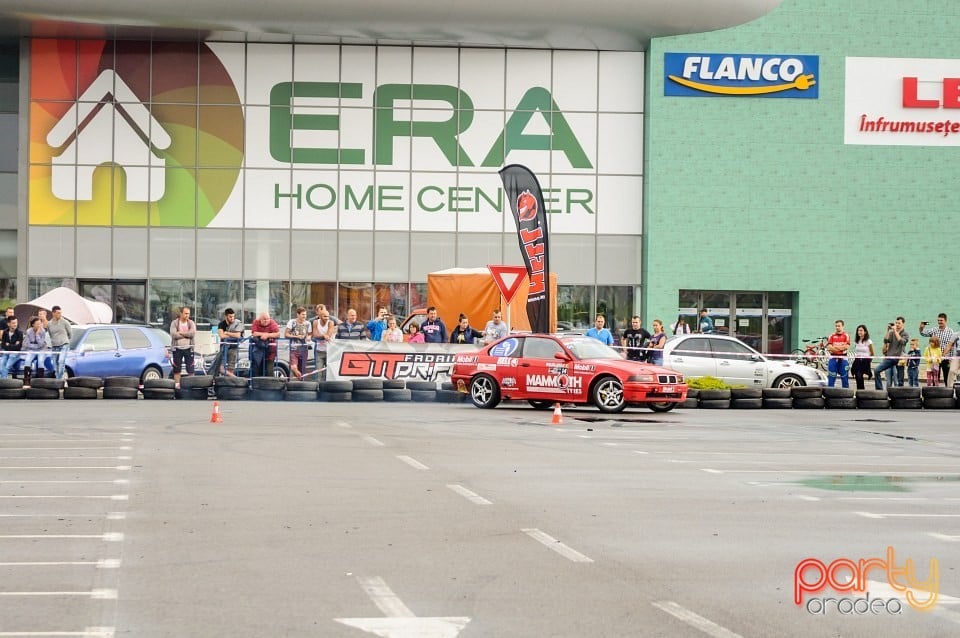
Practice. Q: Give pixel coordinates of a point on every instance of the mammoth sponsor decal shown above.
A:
(426, 366)
(584, 367)
(555, 383)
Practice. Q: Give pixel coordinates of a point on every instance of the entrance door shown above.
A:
(127, 298)
(748, 320)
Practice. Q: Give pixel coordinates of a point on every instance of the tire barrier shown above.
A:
(231, 388)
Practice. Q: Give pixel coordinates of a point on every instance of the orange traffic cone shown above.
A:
(215, 416)
(557, 414)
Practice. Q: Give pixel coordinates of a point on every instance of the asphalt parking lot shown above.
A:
(144, 519)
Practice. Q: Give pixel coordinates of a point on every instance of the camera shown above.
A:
(890, 325)
(923, 323)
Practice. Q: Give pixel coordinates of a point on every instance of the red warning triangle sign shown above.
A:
(508, 279)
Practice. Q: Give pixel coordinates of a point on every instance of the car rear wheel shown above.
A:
(484, 391)
(540, 404)
(662, 406)
(152, 373)
(789, 381)
(608, 395)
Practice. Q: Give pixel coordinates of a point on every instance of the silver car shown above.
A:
(736, 363)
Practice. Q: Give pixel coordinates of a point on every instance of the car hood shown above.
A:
(627, 367)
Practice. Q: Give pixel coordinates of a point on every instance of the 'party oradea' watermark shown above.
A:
(845, 575)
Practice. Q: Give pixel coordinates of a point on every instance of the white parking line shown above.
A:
(640, 452)
(804, 497)
(550, 542)
(414, 463)
(384, 598)
(944, 537)
(110, 537)
(342, 424)
(89, 632)
(20, 482)
(373, 441)
(106, 563)
(122, 447)
(112, 497)
(694, 620)
(66, 458)
(111, 516)
(473, 497)
(120, 468)
(874, 515)
(96, 594)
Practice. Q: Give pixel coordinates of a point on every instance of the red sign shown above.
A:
(504, 274)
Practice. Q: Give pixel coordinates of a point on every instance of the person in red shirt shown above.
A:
(837, 346)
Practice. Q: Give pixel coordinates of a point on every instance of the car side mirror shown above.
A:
(563, 356)
(756, 357)
(85, 348)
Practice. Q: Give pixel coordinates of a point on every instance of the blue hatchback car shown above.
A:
(115, 350)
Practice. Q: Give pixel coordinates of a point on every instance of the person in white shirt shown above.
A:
(495, 329)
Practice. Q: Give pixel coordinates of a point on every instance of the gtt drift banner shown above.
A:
(526, 200)
(347, 360)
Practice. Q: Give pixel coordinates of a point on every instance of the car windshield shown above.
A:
(76, 334)
(587, 348)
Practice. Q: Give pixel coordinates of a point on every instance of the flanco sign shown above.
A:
(330, 137)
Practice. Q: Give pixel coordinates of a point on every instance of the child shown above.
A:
(913, 363)
(933, 355)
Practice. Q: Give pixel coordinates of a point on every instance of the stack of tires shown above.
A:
(746, 398)
(336, 391)
(692, 400)
(395, 391)
(229, 388)
(448, 394)
(367, 390)
(11, 389)
(121, 388)
(82, 388)
(267, 388)
(45, 388)
(195, 387)
(840, 398)
(937, 397)
(807, 397)
(873, 400)
(905, 398)
(714, 399)
(422, 391)
(159, 389)
(301, 391)
(777, 398)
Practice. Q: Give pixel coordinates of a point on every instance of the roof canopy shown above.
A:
(542, 24)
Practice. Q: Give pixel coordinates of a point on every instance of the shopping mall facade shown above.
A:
(163, 157)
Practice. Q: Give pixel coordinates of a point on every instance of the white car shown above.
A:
(736, 363)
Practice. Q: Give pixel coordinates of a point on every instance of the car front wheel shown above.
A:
(789, 381)
(484, 391)
(662, 406)
(608, 395)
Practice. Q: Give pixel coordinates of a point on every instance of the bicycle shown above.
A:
(813, 354)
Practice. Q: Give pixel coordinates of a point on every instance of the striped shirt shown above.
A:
(946, 337)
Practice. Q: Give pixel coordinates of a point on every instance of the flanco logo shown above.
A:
(698, 74)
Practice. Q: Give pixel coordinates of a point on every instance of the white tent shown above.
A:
(75, 308)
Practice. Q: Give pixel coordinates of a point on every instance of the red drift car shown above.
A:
(544, 370)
